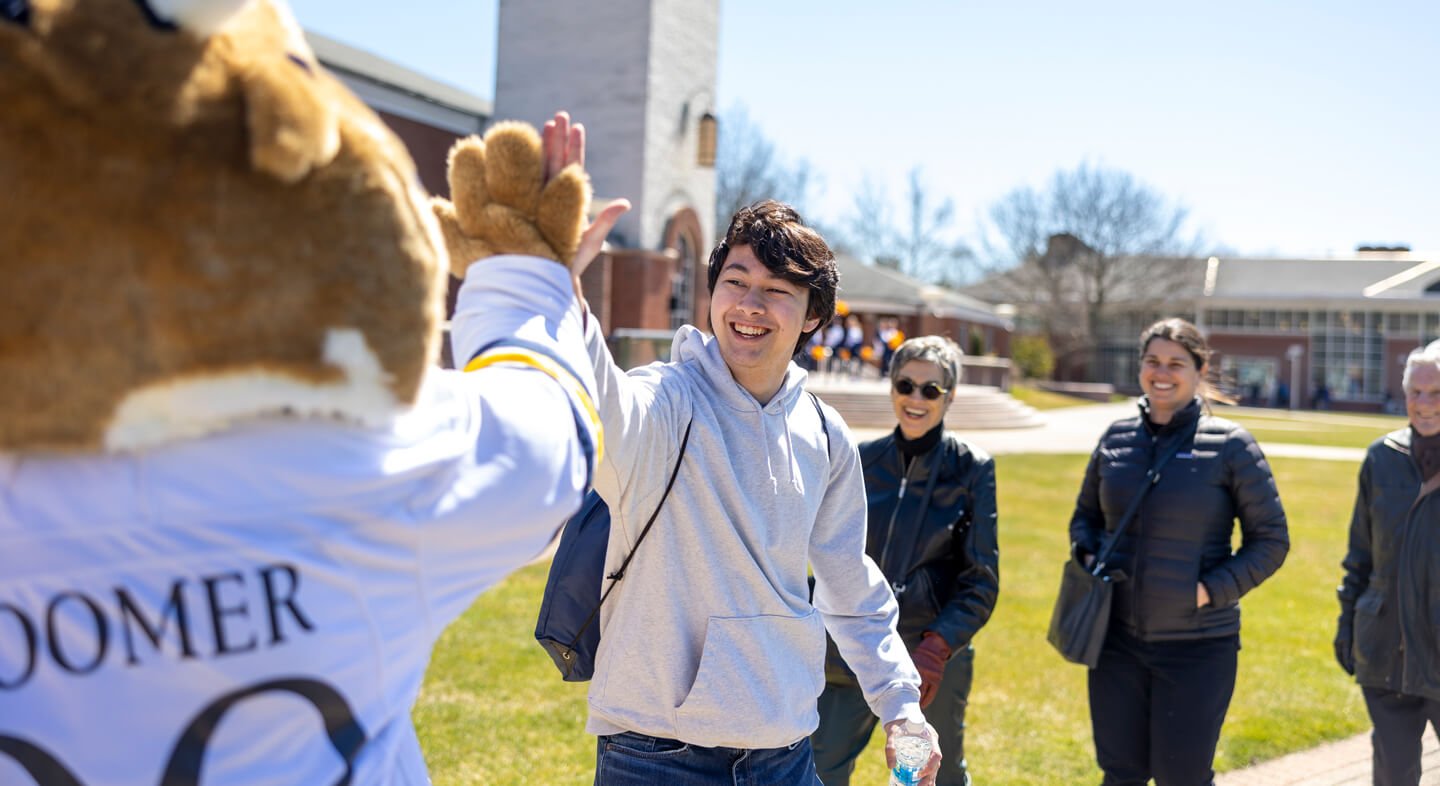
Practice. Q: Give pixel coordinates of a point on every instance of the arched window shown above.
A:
(682, 287)
(709, 139)
(683, 238)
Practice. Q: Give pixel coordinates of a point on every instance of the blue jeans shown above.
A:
(630, 759)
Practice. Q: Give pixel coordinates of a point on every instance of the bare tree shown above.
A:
(748, 168)
(930, 253)
(920, 245)
(868, 230)
(1071, 255)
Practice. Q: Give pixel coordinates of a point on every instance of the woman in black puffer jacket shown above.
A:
(1163, 684)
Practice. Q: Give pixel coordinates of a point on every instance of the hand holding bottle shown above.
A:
(912, 751)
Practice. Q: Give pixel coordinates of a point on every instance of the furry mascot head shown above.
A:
(200, 225)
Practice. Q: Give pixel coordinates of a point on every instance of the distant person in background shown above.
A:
(811, 354)
(1167, 671)
(931, 528)
(1386, 637)
(890, 338)
(834, 342)
(854, 343)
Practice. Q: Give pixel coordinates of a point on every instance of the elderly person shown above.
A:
(1388, 599)
(931, 529)
(1160, 691)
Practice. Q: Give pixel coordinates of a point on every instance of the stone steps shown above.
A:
(866, 404)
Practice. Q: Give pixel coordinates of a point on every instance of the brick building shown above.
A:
(873, 292)
(1285, 331)
(1349, 323)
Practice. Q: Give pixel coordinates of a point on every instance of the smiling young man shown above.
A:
(712, 651)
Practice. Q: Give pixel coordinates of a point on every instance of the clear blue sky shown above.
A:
(1289, 128)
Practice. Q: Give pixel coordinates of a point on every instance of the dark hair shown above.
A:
(1182, 333)
(1193, 341)
(779, 238)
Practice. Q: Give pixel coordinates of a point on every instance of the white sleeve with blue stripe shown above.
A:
(515, 311)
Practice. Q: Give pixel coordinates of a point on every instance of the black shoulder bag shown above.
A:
(1082, 609)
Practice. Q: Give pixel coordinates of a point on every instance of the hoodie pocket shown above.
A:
(758, 678)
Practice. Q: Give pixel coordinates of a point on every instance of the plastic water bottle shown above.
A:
(912, 751)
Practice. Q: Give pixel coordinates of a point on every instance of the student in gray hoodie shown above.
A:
(712, 651)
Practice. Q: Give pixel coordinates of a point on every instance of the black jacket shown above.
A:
(1182, 532)
(931, 530)
(1390, 597)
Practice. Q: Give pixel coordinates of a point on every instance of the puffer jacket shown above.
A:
(931, 527)
(1390, 596)
(1182, 532)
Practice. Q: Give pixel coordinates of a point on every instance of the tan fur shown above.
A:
(502, 204)
(176, 209)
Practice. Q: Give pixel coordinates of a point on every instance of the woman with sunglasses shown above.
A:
(1167, 670)
(931, 523)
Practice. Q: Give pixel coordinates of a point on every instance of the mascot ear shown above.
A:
(15, 11)
(292, 121)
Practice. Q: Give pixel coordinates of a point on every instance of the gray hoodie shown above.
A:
(711, 637)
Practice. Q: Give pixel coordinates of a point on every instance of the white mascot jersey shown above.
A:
(258, 606)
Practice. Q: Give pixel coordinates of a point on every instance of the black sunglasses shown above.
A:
(929, 390)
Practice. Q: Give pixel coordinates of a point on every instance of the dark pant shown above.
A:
(846, 724)
(1399, 722)
(1156, 708)
(630, 759)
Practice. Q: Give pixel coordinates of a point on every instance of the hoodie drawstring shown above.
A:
(794, 463)
(795, 480)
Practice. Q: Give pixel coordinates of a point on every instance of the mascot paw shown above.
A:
(502, 203)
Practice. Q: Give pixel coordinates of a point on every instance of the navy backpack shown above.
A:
(567, 627)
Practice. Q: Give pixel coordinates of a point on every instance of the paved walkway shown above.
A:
(1343, 763)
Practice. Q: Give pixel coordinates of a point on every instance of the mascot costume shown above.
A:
(239, 501)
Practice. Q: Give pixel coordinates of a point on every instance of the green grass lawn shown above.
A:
(1044, 399)
(494, 710)
(1313, 428)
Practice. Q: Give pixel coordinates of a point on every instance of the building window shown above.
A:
(709, 139)
(1402, 323)
(682, 286)
(1348, 354)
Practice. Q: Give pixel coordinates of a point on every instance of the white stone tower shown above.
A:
(640, 74)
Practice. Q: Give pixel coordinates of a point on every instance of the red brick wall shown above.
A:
(640, 290)
(1261, 346)
(429, 146)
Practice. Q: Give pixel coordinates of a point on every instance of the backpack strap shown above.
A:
(625, 563)
(824, 424)
(1152, 477)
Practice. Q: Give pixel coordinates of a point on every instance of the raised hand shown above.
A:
(564, 145)
(515, 194)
